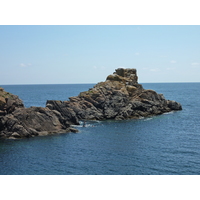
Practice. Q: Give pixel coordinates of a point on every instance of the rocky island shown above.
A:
(119, 97)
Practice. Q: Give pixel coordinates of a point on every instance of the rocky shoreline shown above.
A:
(119, 97)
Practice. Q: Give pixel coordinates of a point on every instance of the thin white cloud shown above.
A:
(24, 65)
(137, 54)
(173, 61)
(195, 64)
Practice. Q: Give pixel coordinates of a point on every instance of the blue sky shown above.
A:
(87, 54)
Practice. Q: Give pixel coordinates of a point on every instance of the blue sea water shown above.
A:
(164, 144)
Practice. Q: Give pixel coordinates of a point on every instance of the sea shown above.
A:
(168, 144)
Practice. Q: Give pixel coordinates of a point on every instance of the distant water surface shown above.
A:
(37, 95)
(164, 144)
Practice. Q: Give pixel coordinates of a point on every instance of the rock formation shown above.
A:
(9, 102)
(119, 97)
(16, 121)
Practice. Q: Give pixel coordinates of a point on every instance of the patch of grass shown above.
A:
(6, 95)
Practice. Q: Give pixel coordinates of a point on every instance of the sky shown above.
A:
(70, 54)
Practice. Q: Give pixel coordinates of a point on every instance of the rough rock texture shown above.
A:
(66, 112)
(119, 97)
(9, 102)
(34, 121)
(19, 122)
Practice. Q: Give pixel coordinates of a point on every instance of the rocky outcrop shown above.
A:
(34, 121)
(119, 97)
(16, 121)
(65, 111)
(9, 102)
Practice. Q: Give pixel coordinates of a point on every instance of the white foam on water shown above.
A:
(147, 119)
(168, 113)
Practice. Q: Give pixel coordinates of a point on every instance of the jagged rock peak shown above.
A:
(9, 102)
(128, 76)
(125, 72)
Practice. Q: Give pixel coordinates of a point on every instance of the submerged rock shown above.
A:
(119, 97)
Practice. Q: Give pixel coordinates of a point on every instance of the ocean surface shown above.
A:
(167, 144)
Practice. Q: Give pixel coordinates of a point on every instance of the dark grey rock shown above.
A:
(34, 121)
(16, 121)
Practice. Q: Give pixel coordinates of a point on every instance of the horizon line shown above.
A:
(90, 83)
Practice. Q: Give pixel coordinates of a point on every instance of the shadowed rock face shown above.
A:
(119, 97)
